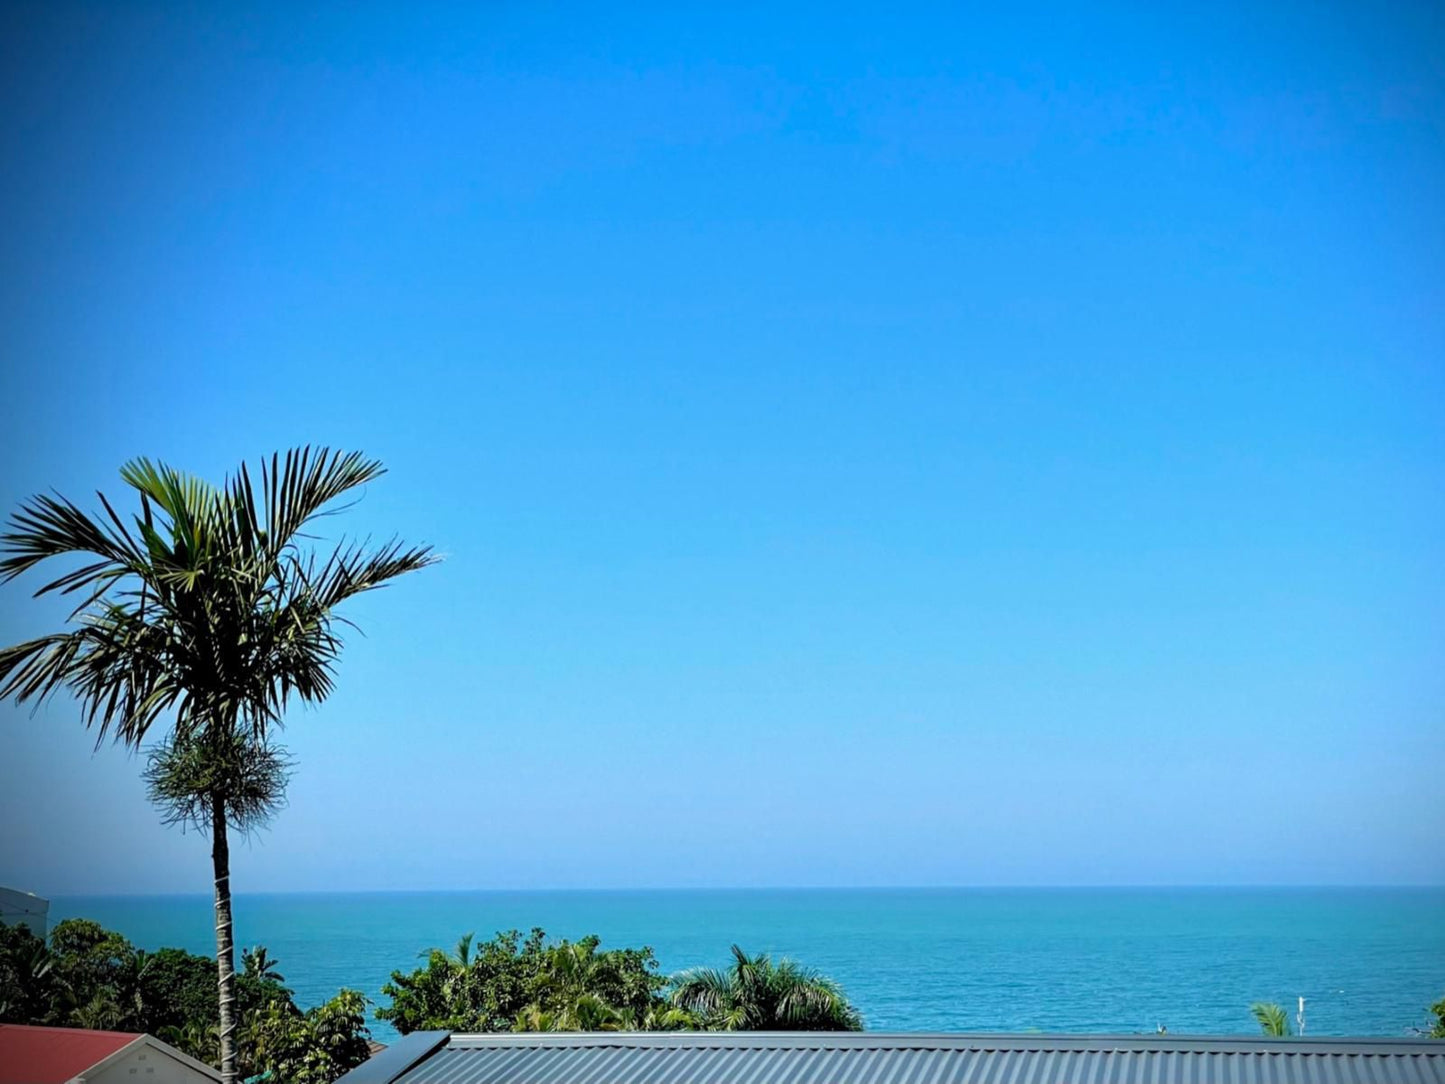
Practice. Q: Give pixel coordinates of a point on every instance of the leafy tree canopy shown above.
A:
(533, 984)
(314, 1047)
(511, 983)
(30, 990)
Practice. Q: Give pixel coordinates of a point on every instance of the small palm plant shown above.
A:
(258, 963)
(1273, 1020)
(196, 1038)
(755, 994)
(584, 1012)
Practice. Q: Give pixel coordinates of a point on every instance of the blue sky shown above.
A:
(897, 446)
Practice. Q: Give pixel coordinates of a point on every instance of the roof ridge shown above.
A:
(902, 1058)
(863, 1042)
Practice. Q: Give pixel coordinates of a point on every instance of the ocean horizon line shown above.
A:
(760, 889)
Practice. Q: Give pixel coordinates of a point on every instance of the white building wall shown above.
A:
(144, 1064)
(23, 909)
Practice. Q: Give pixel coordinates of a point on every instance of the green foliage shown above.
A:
(29, 987)
(89, 976)
(755, 994)
(197, 1038)
(178, 989)
(314, 1047)
(1273, 1020)
(1437, 1030)
(260, 983)
(257, 963)
(97, 967)
(92, 977)
(509, 983)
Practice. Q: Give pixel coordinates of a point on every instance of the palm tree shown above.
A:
(101, 1013)
(1273, 1020)
(209, 609)
(567, 994)
(458, 989)
(661, 1017)
(30, 988)
(196, 1038)
(132, 984)
(754, 994)
(258, 963)
(583, 1012)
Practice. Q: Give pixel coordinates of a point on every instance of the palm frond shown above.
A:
(298, 490)
(352, 569)
(702, 990)
(1272, 1019)
(47, 526)
(205, 608)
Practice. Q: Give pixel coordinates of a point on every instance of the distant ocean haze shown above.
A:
(1368, 961)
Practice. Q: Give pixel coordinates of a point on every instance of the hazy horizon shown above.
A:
(1422, 886)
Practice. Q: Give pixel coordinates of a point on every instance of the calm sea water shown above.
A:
(1107, 960)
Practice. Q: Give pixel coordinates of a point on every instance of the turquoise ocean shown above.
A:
(1368, 961)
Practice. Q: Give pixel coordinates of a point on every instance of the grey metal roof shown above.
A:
(389, 1063)
(877, 1058)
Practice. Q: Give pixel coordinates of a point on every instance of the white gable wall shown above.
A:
(142, 1063)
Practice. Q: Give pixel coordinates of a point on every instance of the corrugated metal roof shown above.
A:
(876, 1058)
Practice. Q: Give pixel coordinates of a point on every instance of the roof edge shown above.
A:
(176, 1054)
(150, 1042)
(402, 1055)
(874, 1040)
(111, 1058)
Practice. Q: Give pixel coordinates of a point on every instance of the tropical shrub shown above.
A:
(178, 988)
(755, 994)
(509, 983)
(97, 969)
(29, 988)
(314, 1047)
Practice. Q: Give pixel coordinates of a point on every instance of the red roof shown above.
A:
(31, 1055)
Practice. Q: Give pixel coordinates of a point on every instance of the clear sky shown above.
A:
(871, 445)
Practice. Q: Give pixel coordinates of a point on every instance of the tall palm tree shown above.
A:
(1272, 1019)
(755, 994)
(209, 609)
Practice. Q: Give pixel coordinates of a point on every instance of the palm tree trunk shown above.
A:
(225, 941)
